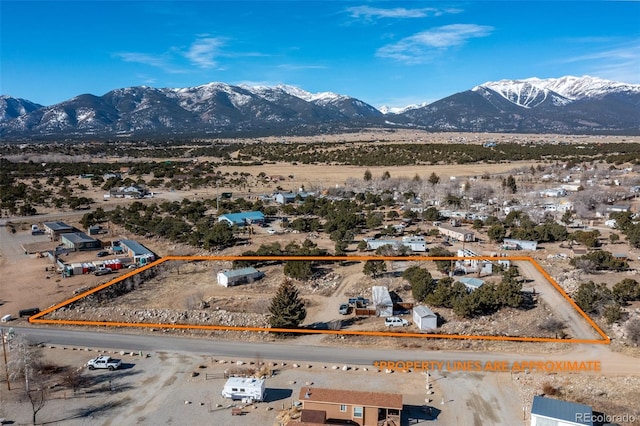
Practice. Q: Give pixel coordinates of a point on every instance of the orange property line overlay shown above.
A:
(37, 319)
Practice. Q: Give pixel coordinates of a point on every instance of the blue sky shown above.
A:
(384, 53)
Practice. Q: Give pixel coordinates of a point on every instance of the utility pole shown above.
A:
(4, 351)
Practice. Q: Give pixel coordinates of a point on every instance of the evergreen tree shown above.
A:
(287, 309)
(422, 283)
(374, 267)
(434, 179)
(367, 175)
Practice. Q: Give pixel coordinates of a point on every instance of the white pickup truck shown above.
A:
(104, 362)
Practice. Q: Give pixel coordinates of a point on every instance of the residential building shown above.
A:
(55, 229)
(554, 412)
(471, 283)
(289, 197)
(242, 218)
(355, 407)
(239, 276)
(79, 241)
(139, 253)
(473, 266)
(456, 233)
(514, 244)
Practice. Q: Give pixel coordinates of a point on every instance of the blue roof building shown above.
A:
(548, 411)
(241, 219)
(471, 283)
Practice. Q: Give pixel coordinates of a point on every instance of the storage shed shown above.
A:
(424, 318)
(239, 276)
(549, 411)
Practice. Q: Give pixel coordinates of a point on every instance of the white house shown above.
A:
(549, 411)
(415, 244)
(244, 388)
(239, 276)
(514, 244)
(471, 266)
(459, 234)
(424, 318)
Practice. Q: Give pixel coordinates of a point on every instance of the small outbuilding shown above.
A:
(239, 276)
(549, 411)
(424, 318)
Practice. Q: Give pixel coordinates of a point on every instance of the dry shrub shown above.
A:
(549, 390)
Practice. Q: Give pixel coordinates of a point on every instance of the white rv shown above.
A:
(248, 388)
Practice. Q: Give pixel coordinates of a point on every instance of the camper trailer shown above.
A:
(244, 388)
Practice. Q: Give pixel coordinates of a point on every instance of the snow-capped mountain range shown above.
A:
(556, 105)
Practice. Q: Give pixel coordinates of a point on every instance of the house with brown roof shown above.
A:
(328, 406)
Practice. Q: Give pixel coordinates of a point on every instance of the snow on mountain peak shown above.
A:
(528, 91)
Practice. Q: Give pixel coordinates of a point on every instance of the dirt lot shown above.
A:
(160, 388)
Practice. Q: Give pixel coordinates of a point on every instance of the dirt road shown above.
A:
(578, 327)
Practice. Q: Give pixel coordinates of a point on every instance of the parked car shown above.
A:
(102, 271)
(104, 361)
(358, 302)
(102, 254)
(396, 322)
(344, 309)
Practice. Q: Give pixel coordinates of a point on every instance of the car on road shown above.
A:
(102, 271)
(102, 254)
(272, 231)
(396, 322)
(104, 362)
(344, 309)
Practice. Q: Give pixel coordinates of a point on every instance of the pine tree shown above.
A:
(287, 309)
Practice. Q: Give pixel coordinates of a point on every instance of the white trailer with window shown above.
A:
(244, 388)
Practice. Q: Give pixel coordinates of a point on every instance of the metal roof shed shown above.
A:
(548, 411)
(424, 318)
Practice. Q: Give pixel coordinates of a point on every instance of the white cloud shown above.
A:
(618, 63)
(424, 46)
(296, 67)
(158, 61)
(368, 12)
(203, 52)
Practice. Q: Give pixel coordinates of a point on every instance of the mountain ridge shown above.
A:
(566, 105)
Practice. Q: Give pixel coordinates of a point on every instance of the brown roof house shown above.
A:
(352, 407)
